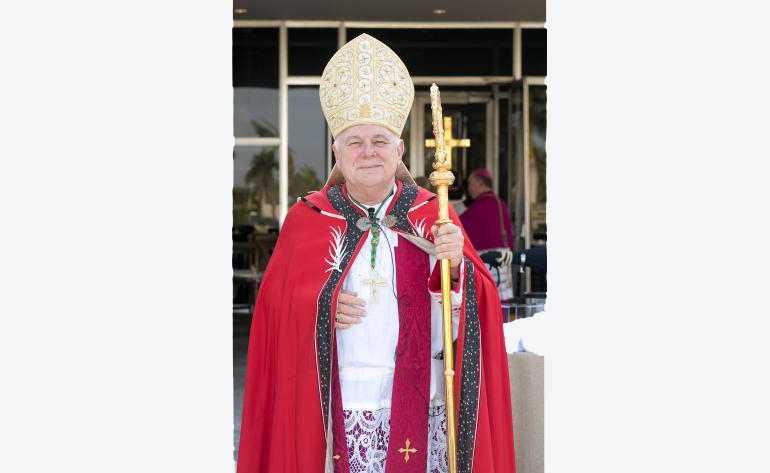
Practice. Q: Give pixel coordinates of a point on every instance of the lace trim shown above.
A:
(437, 441)
(368, 433)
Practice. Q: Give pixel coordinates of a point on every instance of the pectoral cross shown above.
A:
(449, 141)
(406, 451)
(374, 282)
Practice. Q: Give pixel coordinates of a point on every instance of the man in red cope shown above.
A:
(488, 224)
(345, 371)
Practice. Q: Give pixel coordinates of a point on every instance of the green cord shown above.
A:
(375, 225)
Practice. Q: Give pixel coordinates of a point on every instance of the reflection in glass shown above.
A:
(255, 187)
(256, 112)
(255, 82)
(307, 142)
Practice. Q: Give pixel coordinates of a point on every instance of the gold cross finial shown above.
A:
(449, 141)
(406, 451)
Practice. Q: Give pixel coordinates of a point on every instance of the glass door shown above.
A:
(535, 158)
(528, 197)
(535, 142)
(471, 114)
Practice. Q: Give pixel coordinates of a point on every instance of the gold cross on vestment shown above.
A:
(374, 282)
(449, 141)
(406, 451)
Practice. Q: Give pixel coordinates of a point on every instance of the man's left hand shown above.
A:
(448, 243)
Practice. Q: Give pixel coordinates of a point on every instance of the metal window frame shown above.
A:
(437, 25)
(303, 80)
(284, 81)
(462, 80)
(258, 141)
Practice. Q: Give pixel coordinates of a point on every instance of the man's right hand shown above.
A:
(349, 311)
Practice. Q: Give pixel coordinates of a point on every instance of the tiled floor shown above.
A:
(241, 326)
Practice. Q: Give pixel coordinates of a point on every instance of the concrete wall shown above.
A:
(527, 396)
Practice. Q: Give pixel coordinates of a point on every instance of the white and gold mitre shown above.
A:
(365, 82)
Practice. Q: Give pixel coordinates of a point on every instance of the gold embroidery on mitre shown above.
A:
(365, 82)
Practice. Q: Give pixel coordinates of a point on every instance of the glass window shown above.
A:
(533, 51)
(255, 81)
(307, 142)
(310, 50)
(537, 161)
(448, 52)
(255, 187)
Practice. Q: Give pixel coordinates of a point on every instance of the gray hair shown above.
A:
(336, 144)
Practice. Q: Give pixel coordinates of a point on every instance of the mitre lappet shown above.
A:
(366, 83)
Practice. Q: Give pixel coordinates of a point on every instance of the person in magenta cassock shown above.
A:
(488, 224)
(345, 371)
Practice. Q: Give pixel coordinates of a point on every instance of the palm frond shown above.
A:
(336, 250)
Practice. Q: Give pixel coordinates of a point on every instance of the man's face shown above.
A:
(368, 155)
(474, 186)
